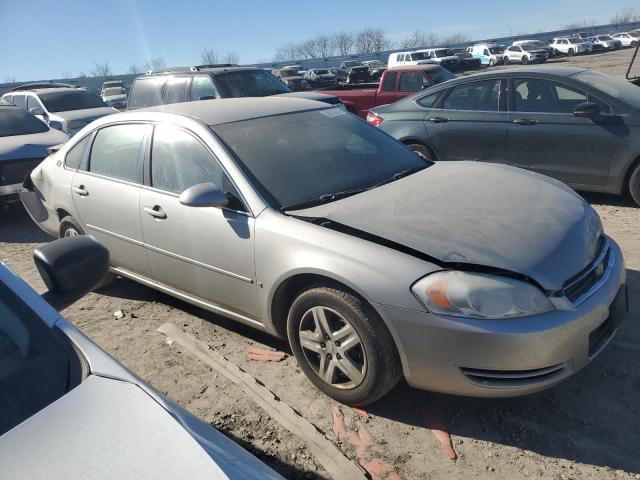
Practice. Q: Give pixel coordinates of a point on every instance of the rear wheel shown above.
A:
(342, 345)
(634, 184)
(69, 227)
(422, 151)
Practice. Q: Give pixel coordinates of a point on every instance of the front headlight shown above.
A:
(478, 295)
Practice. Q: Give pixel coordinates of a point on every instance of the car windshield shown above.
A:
(322, 72)
(528, 47)
(416, 56)
(289, 73)
(443, 53)
(249, 83)
(440, 74)
(613, 86)
(37, 364)
(374, 64)
(576, 40)
(16, 121)
(113, 91)
(70, 100)
(296, 158)
(351, 63)
(604, 37)
(495, 50)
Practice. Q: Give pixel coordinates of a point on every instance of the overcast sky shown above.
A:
(51, 39)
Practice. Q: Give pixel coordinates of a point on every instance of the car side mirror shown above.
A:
(587, 110)
(71, 267)
(204, 195)
(36, 111)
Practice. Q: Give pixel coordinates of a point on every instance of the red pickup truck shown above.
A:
(395, 83)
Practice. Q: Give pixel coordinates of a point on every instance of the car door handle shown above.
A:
(438, 120)
(525, 121)
(155, 211)
(81, 190)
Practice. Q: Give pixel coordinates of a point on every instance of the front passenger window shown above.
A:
(117, 151)
(179, 161)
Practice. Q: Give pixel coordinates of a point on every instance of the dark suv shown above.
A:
(205, 82)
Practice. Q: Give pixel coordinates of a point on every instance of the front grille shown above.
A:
(580, 285)
(512, 378)
(14, 171)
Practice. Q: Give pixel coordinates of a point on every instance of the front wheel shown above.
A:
(571, 52)
(634, 185)
(505, 60)
(634, 44)
(491, 63)
(525, 60)
(342, 345)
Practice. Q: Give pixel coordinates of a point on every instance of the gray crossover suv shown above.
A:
(576, 125)
(299, 219)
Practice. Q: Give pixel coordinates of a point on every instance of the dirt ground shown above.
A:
(586, 428)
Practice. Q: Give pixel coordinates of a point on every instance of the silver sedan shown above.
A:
(299, 219)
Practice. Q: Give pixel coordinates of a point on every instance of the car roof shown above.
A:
(229, 110)
(424, 66)
(534, 71)
(211, 70)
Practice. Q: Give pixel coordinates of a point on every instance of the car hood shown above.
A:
(30, 146)
(107, 428)
(86, 115)
(110, 98)
(468, 213)
(321, 97)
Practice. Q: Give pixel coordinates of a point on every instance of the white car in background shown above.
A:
(606, 41)
(443, 57)
(489, 54)
(537, 44)
(571, 46)
(400, 59)
(62, 107)
(524, 54)
(628, 39)
(24, 141)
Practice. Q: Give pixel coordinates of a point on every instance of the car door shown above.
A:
(106, 193)
(470, 122)
(545, 136)
(206, 253)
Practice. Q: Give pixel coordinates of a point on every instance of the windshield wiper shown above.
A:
(403, 173)
(326, 198)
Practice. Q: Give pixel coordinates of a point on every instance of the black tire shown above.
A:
(505, 60)
(571, 52)
(634, 184)
(422, 150)
(524, 60)
(376, 349)
(68, 225)
(634, 44)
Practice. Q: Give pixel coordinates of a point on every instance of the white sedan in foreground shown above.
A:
(71, 411)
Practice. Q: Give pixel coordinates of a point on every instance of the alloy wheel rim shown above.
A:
(71, 232)
(332, 348)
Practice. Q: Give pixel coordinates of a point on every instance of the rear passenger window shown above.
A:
(180, 161)
(117, 150)
(543, 96)
(177, 89)
(74, 156)
(146, 92)
(389, 82)
(476, 96)
(20, 100)
(202, 87)
(428, 101)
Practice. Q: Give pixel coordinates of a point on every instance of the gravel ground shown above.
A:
(586, 428)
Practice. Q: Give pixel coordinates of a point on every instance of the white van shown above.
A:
(489, 54)
(408, 58)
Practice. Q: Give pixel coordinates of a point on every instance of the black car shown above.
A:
(578, 126)
(206, 82)
(467, 60)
